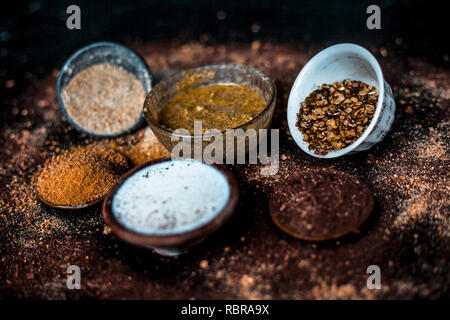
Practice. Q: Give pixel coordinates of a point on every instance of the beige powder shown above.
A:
(104, 99)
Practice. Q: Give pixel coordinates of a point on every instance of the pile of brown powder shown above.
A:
(80, 176)
(104, 99)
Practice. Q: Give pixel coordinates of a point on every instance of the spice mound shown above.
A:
(104, 99)
(321, 204)
(142, 147)
(80, 177)
(334, 116)
(219, 107)
(171, 197)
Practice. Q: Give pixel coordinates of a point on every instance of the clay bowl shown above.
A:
(173, 243)
(109, 53)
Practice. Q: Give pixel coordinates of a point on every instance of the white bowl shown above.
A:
(337, 63)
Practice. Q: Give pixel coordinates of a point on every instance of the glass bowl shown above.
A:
(103, 52)
(223, 73)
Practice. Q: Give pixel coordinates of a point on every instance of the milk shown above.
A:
(171, 197)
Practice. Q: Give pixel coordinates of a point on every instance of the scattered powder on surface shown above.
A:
(171, 197)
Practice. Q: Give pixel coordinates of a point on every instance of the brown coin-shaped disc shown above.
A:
(80, 177)
(321, 204)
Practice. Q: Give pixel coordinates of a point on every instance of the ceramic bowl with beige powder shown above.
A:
(101, 89)
(170, 205)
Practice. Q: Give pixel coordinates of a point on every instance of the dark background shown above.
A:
(34, 37)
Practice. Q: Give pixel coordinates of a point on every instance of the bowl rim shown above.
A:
(175, 239)
(370, 58)
(271, 103)
(70, 60)
(67, 207)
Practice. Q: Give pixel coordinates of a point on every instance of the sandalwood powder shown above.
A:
(80, 176)
(104, 99)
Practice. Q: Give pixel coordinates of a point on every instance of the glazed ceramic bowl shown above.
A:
(109, 53)
(337, 63)
(223, 73)
(170, 243)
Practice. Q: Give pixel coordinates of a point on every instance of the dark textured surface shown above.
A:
(407, 236)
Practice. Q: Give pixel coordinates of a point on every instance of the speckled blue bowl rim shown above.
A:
(146, 68)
